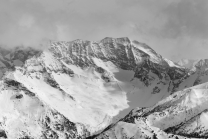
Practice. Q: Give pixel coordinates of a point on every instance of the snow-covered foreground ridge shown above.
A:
(75, 89)
(183, 114)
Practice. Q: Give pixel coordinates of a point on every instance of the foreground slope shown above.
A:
(181, 115)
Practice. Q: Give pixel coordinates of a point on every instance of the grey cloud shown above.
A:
(21, 23)
(166, 25)
(187, 17)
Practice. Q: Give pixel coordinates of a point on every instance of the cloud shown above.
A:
(175, 28)
(188, 17)
(26, 23)
(166, 25)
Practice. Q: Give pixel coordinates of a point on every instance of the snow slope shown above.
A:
(181, 115)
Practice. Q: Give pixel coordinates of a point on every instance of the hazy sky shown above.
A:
(174, 28)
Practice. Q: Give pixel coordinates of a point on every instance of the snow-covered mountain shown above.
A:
(77, 89)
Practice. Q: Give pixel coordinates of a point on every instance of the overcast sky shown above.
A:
(174, 28)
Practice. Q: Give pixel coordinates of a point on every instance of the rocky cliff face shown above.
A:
(77, 89)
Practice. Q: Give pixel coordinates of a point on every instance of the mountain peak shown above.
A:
(108, 48)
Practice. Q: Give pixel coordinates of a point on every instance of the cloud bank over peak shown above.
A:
(174, 28)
